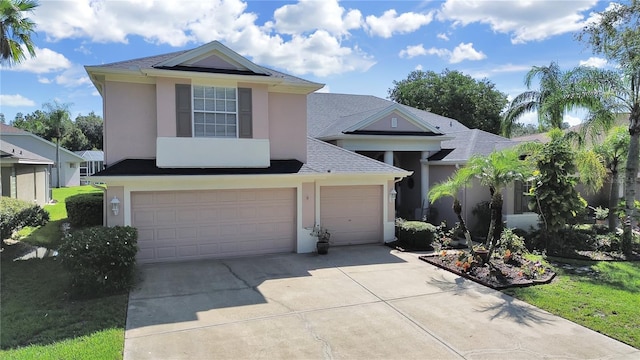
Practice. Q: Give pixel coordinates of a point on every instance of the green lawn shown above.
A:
(38, 317)
(50, 235)
(606, 300)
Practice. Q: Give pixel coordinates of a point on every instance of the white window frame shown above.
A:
(194, 111)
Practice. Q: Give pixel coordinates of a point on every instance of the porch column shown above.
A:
(424, 180)
(388, 157)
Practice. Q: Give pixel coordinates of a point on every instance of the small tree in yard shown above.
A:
(495, 171)
(554, 195)
(451, 188)
(613, 151)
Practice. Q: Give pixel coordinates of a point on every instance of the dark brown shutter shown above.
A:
(245, 121)
(517, 197)
(183, 110)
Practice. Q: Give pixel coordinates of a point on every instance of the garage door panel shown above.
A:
(214, 223)
(352, 214)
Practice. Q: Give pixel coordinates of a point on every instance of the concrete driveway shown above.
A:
(356, 302)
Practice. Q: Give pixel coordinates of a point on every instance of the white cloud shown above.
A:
(15, 100)
(464, 52)
(46, 61)
(391, 23)
(572, 120)
(413, 51)
(594, 62)
(442, 36)
(311, 15)
(44, 80)
(524, 20)
(460, 53)
(418, 67)
(73, 77)
(177, 23)
(325, 89)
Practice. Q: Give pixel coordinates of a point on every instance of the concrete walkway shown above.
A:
(362, 302)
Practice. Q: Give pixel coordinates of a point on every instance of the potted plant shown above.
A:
(482, 253)
(323, 235)
(601, 214)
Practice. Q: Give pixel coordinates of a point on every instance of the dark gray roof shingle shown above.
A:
(468, 143)
(330, 114)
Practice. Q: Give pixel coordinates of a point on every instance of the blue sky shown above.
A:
(357, 47)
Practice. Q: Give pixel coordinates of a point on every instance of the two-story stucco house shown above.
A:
(207, 154)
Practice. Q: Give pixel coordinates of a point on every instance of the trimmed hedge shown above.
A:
(416, 234)
(85, 209)
(16, 214)
(101, 260)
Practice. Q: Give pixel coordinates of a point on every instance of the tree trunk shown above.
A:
(495, 227)
(630, 177)
(613, 200)
(457, 209)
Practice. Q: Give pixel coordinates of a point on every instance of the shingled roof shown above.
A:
(330, 114)
(468, 143)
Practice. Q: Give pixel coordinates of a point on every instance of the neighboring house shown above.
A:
(429, 145)
(93, 162)
(24, 175)
(207, 155)
(69, 162)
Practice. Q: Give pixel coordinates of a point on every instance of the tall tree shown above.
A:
(615, 34)
(57, 114)
(559, 91)
(91, 127)
(16, 30)
(475, 103)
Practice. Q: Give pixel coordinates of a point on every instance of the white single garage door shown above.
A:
(181, 225)
(352, 214)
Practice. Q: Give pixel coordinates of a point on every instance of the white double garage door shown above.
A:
(182, 225)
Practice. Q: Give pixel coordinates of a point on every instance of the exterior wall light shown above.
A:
(115, 205)
(392, 195)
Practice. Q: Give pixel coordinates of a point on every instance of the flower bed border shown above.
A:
(531, 282)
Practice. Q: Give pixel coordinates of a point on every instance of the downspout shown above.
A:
(104, 202)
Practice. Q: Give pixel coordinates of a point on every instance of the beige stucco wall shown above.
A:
(308, 204)
(166, 105)
(384, 124)
(25, 181)
(259, 107)
(130, 121)
(288, 126)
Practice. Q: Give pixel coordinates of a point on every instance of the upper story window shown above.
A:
(215, 112)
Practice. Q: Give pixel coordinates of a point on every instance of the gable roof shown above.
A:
(181, 62)
(468, 143)
(426, 127)
(91, 155)
(8, 131)
(10, 153)
(330, 115)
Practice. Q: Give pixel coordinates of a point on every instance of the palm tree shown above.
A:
(495, 171)
(57, 114)
(559, 92)
(613, 151)
(451, 188)
(16, 30)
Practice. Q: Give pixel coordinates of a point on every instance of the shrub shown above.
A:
(16, 214)
(101, 260)
(510, 240)
(85, 209)
(416, 234)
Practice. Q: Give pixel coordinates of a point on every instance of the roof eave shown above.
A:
(383, 137)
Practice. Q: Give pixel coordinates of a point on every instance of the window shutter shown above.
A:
(183, 110)
(245, 119)
(517, 197)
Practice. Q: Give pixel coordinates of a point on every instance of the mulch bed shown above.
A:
(499, 274)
